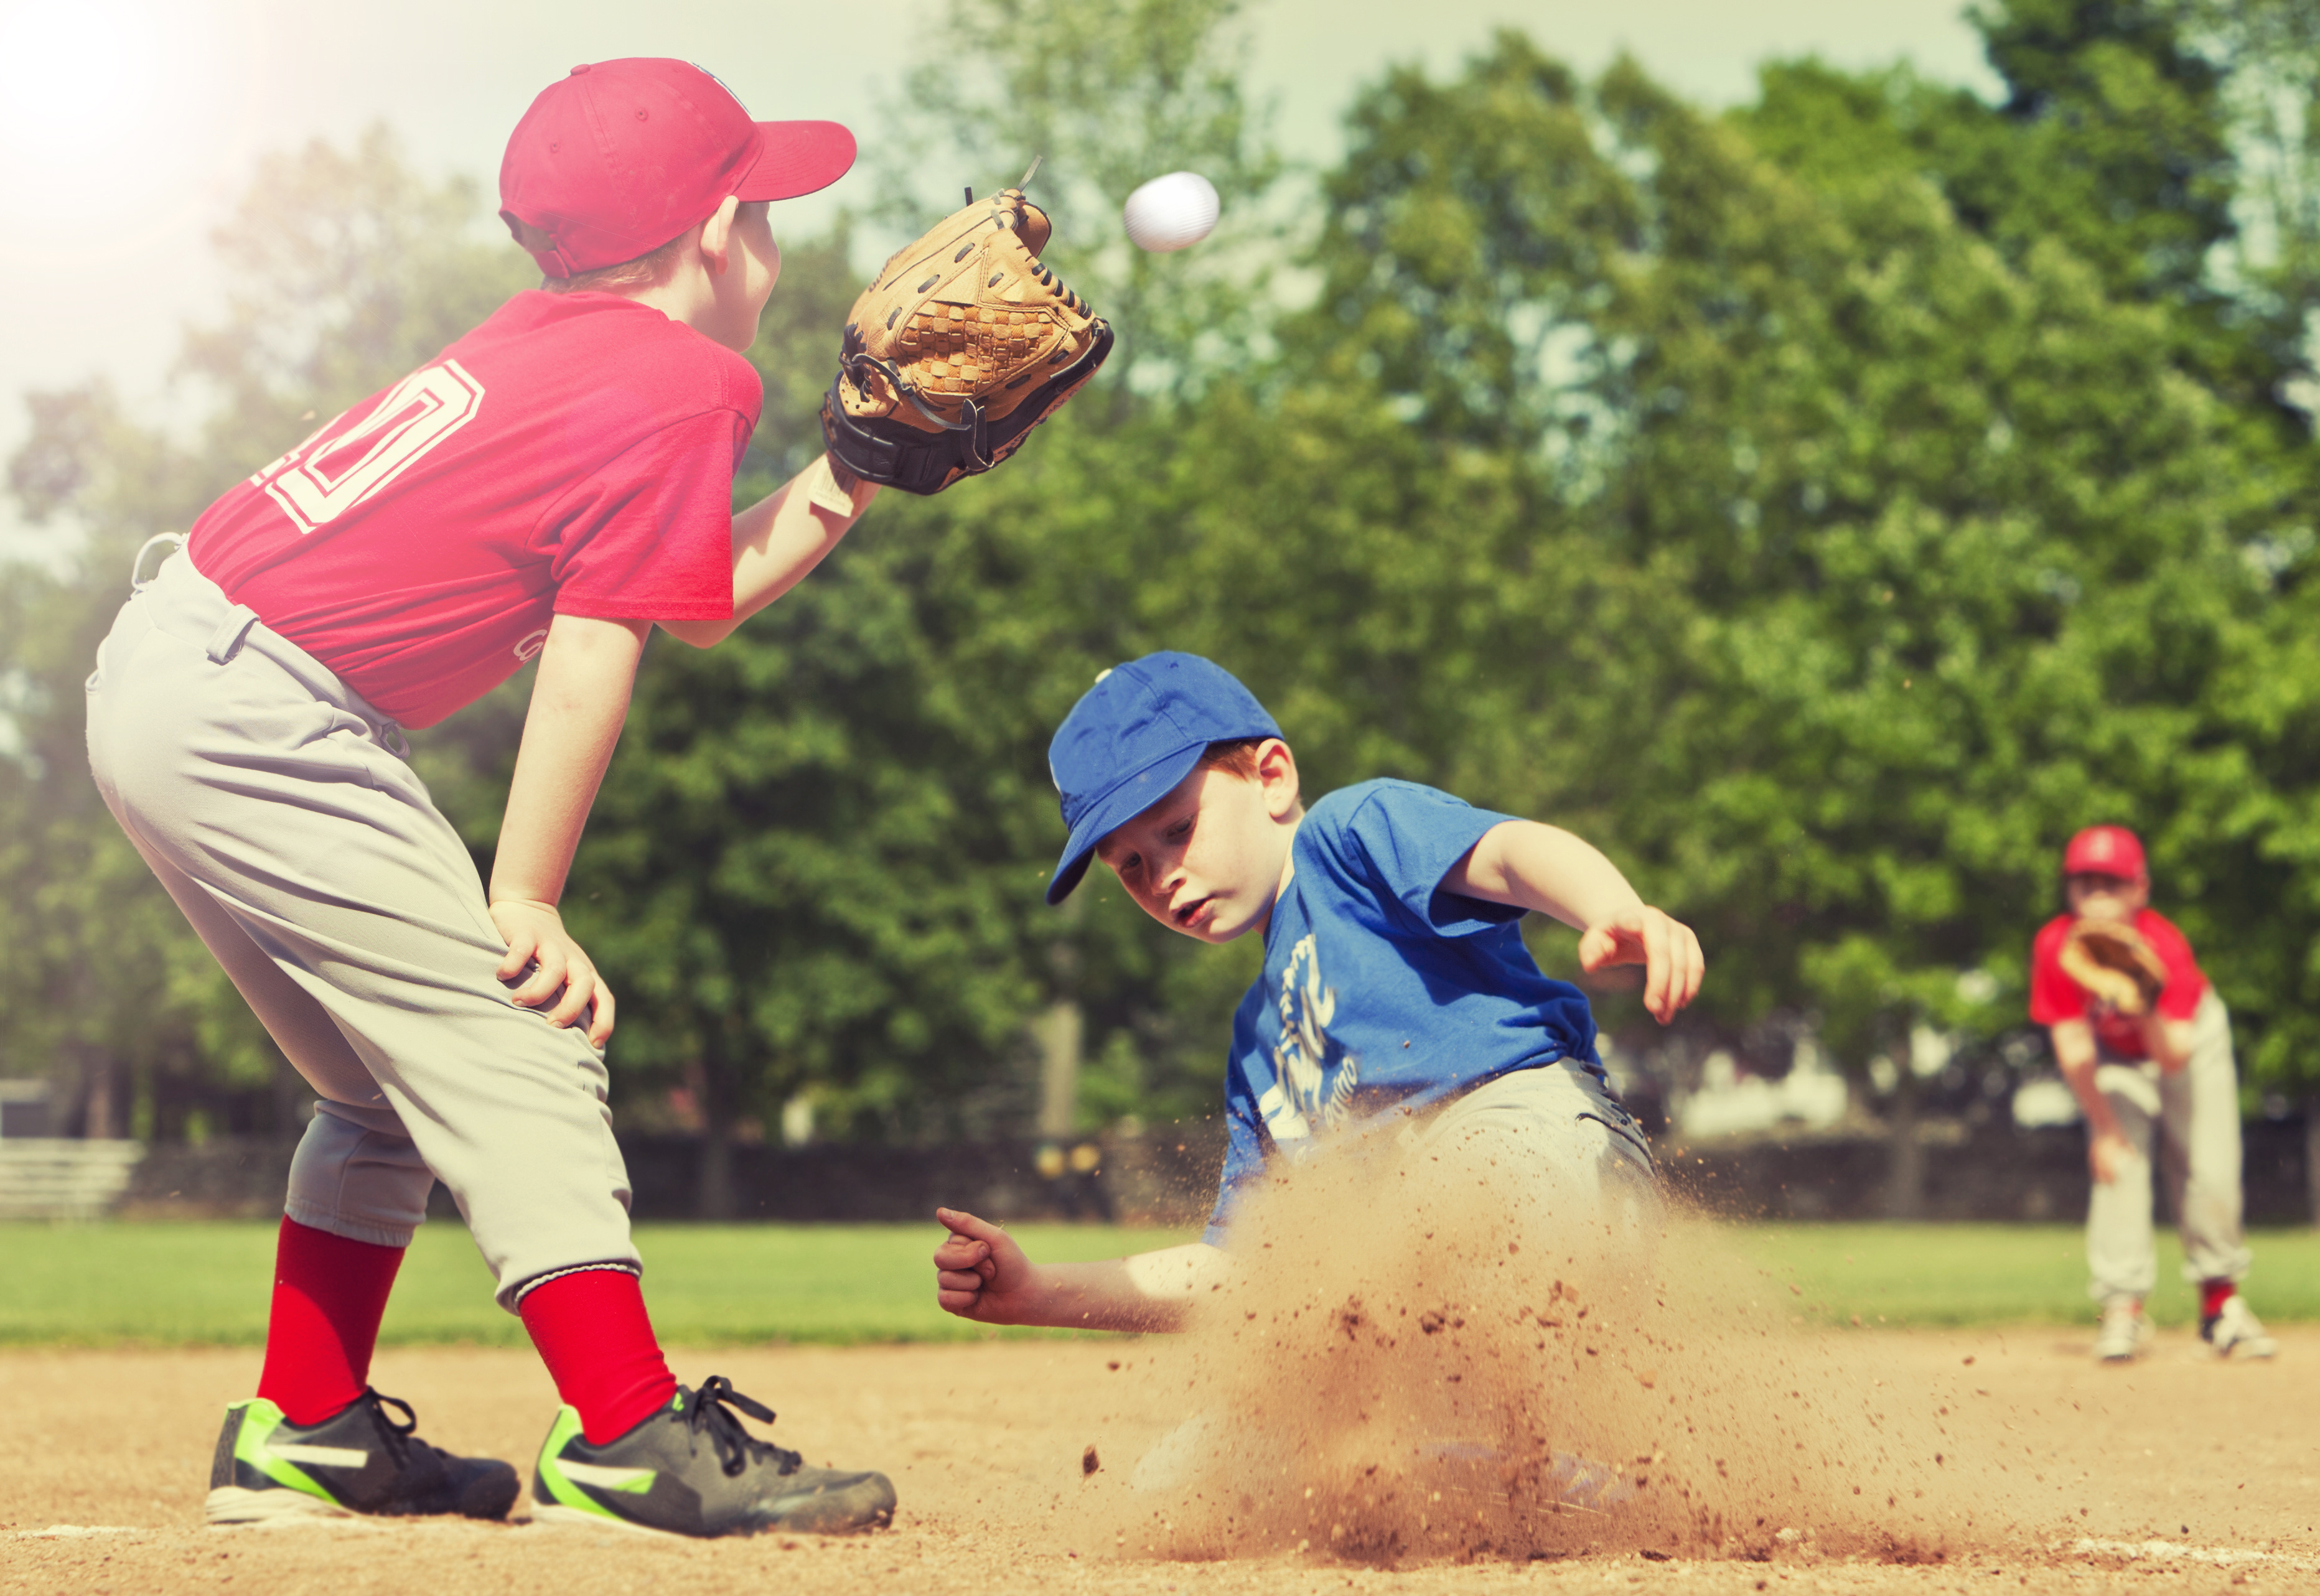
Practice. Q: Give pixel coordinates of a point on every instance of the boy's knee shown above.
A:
(357, 1179)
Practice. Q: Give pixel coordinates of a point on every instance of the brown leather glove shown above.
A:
(963, 344)
(2113, 964)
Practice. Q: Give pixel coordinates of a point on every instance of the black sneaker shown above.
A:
(691, 1469)
(359, 1460)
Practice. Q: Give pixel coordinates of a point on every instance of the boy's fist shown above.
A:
(980, 1274)
(1665, 948)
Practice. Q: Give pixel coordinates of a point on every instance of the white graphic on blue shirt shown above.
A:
(1313, 1076)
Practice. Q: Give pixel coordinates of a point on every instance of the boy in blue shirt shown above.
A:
(1395, 983)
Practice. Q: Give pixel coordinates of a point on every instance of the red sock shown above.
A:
(329, 1293)
(597, 1340)
(2212, 1295)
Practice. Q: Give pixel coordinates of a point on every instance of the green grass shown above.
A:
(1995, 1274)
(187, 1283)
(181, 1283)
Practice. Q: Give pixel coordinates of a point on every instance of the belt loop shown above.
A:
(225, 642)
(175, 543)
(391, 735)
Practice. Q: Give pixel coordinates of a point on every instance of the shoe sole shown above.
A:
(556, 1515)
(238, 1504)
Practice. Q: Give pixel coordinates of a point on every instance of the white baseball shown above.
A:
(1171, 212)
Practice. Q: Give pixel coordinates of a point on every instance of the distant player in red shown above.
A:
(556, 483)
(2171, 1070)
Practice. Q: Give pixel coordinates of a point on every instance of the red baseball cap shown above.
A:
(2104, 850)
(620, 157)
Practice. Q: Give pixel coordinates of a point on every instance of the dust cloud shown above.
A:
(1423, 1359)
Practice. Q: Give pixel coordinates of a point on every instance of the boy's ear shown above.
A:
(717, 236)
(1276, 771)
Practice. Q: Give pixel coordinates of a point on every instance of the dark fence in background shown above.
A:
(1168, 1176)
(1992, 1174)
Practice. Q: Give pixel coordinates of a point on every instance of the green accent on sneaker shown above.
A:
(548, 1474)
(259, 1419)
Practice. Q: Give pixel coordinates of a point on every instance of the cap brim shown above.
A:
(1114, 809)
(797, 158)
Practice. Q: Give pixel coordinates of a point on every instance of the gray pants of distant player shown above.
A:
(267, 797)
(2196, 1113)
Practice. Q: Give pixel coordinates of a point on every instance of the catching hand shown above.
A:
(963, 344)
(550, 962)
(2113, 965)
(1665, 948)
(980, 1274)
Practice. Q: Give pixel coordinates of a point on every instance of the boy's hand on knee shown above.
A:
(1665, 948)
(2108, 1154)
(544, 963)
(980, 1274)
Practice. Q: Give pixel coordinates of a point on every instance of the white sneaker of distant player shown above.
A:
(2238, 1333)
(2125, 1331)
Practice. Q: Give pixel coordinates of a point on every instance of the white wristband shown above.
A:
(822, 489)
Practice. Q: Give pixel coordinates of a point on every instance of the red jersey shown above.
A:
(2055, 996)
(572, 456)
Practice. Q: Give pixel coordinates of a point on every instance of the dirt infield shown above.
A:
(2191, 1475)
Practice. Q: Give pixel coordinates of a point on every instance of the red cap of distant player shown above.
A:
(2104, 850)
(621, 157)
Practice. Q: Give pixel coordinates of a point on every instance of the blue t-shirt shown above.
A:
(1380, 991)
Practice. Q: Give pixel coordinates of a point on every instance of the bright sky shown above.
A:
(126, 125)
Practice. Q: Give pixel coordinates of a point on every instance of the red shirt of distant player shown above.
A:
(2055, 996)
(574, 455)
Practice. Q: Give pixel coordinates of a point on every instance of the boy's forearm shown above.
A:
(1531, 866)
(588, 669)
(781, 537)
(2074, 1055)
(1154, 1290)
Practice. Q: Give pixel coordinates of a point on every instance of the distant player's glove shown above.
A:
(963, 345)
(2113, 964)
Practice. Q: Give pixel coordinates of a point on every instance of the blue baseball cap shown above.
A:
(1132, 737)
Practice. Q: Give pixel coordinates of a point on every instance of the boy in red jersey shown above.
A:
(2169, 1067)
(556, 483)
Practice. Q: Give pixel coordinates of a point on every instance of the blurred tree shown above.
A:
(2269, 52)
(2114, 142)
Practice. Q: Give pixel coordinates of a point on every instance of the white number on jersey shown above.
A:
(327, 475)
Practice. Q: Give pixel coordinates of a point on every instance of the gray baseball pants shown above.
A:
(267, 798)
(2196, 1113)
(1572, 1158)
